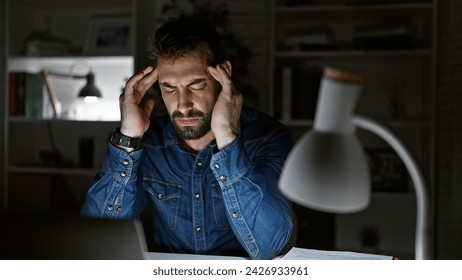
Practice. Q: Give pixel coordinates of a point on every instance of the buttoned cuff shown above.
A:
(121, 165)
(230, 163)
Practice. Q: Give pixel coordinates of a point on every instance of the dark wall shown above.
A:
(3, 79)
(448, 193)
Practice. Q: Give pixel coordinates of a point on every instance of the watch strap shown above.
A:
(119, 139)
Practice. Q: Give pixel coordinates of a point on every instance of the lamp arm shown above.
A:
(51, 92)
(66, 75)
(423, 229)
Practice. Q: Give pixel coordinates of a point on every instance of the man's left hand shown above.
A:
(227, 110)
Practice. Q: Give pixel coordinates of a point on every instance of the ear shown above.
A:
(227, 66)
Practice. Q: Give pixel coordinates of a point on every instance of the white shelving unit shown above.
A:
(393, 43)
(34, 181)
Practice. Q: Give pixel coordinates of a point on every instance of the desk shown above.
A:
(174, 256)
(294, 254)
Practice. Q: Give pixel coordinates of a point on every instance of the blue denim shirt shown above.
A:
(222, 202)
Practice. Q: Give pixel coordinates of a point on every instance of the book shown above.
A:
(286, 85)
(299, 88)
(17, 93)
(33, 96)
(43, 44)
(311, 254)
(305, 85)
(311, 38)
(26, 94)
(12, 83)
(383, 36)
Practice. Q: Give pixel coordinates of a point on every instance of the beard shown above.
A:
(192, 132)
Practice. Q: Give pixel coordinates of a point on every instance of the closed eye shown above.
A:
(197, 84)
(167, 88)
(198, 87)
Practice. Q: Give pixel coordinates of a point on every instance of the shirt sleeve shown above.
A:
(260, 216)
(114, 193)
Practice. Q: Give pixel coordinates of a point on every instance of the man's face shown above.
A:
(189, 93)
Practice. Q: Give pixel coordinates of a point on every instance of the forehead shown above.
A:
(184, 67)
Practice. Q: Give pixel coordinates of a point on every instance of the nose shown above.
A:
(185, 101)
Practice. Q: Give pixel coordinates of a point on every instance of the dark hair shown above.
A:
(183, 35)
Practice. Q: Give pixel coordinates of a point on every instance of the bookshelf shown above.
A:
(393, 43)
(46, 167)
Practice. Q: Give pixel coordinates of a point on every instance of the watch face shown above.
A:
(124, 141)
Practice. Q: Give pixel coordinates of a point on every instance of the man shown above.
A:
(210, 168)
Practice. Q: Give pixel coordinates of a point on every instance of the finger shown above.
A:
(224, 74)
(138, 76)
(148, 106)
(140, 83)
(147, 81)
(220, 74)
(215, 74)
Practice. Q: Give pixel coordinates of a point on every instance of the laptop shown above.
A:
(55, 237)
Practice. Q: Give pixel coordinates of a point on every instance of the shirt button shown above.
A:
(126, 162)
(235, 215)
(222, 178)
(200, 163)
(160, 196)
(198, 229)
(216, 166)
(123, 174)
(110, 207)
(197, 195)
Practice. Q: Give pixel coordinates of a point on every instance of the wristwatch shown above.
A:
(118, 139)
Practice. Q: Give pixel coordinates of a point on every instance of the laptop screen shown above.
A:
(34, 237)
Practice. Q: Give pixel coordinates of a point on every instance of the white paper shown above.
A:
(311, 254)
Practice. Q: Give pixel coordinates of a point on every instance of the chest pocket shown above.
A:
(166, 200)
(219, 209)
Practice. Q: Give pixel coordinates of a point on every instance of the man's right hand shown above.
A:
(134, 118)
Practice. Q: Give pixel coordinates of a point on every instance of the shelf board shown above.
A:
(410, 195)
(343, 8)
(406, 123)
(52, 170)
(20, 61)
(302, 123)
(15, 119)
(49, 4)
(352, 53)
(391, 123)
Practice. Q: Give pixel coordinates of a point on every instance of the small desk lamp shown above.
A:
(327, 169)
(89, 92)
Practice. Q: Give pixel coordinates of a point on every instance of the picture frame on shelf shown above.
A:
(388, 173)
(109, 36)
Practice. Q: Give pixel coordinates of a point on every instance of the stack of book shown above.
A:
(312, 38)
(383, 37)
(26, 94)
(41, 47)
(43, 43)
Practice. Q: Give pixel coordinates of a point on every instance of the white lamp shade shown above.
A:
(327, 169)
(327, 172)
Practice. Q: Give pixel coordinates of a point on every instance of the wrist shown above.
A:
(126, 142)
(224, 141)
(130, 132)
